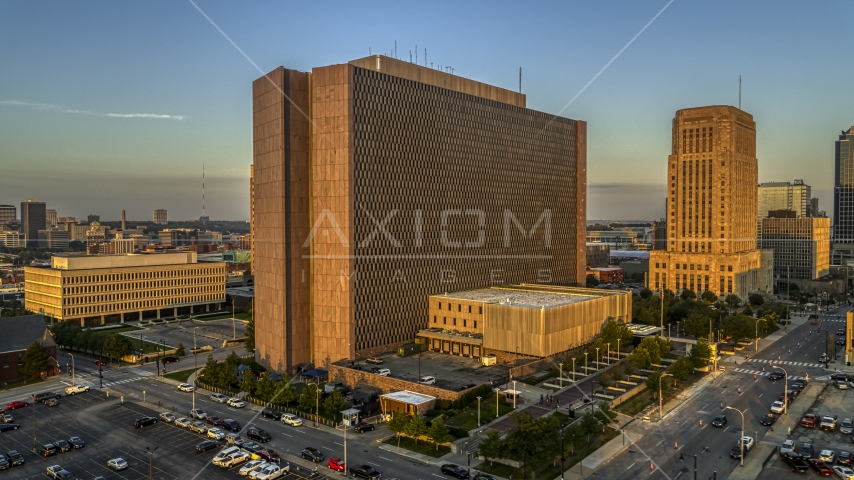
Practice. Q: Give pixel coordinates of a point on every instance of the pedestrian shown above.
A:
(790, 430)
(541, 399)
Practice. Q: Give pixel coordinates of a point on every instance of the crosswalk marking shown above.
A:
(764, 374)
(118, 382)
(786, 362)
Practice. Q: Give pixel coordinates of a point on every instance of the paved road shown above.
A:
(681, 433)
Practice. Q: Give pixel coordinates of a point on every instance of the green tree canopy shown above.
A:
(34, 360)
(640, 358)
(532, 441)
(645, 293)
(249, 335)
(491, 447)
(438, 432)
(700, 353)
(681, 368)
(709, 296)
(696, 325)
(688, 295)
(398, 422)
(335, 403)
(180, 351)
(416, 427)
(308, 397)
(755, 299)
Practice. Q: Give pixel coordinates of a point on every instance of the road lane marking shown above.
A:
(336, 443)
(727, 428)
(659, 443)
(327, 448)
(630, 466)
(386, 459)
(375, 464)
(760, 395)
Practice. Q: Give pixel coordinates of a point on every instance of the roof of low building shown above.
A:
(530, 296)
(411, 398)
(20, 332)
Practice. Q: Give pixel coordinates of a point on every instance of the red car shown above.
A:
(14, 405)
(100, 363)
(215, 421)
(336, 464)
(269, 455)
(821, 467)
(810, 420)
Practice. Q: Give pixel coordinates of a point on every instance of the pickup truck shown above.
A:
(828, 422)
(809, 421)
(72, 389)
(788, 449)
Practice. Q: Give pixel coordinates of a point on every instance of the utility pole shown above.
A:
(195, 365)
(72, 369)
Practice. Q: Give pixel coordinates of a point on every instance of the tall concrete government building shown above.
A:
(378, 183)
(712, 207)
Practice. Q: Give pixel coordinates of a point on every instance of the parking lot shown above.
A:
(107, 428)
(451, 372)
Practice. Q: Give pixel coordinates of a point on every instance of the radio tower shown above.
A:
(204, 214)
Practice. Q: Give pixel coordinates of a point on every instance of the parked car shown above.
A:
(270, 472)
(292, 420)
(76, 442)
(269, 455)
(17, 404)
(52, 470)
(483, 476)
(216, 434)
(455, 471)
(199, 427)
(362, 427)
(374, 360)
(842, 385)
(206, 445)
(828, 422)
(820, 467)
(198, 414)
(258, 434)
(270, 413)
(183, 422)
(251, 465)
(235, 402)
(15, 458)
(214, 420)
(4, 464)
(170, 359)
(843, 472)
(805, 451)
(336, 464)
(167, 417)
(427, 380)
(233, 439)
(844, 458)
(100, 363)
(796, 464)
(827, 455)
(774, 376)
(9, 426)
(748, 443)
(219, 398)
(768, 419)
(365, 471)
(6, 418)
(219, 457)
(72, 389)
(62, 445)
(809, 421)
(383, 372)
(231, 425)
(47, 450)
(51, 402)
(236, 458)
(41, 397)
(252, 447)
(719, 421)
(313, 454)
(185, 387)
(144, 422)
(777, 407)
(117, 464)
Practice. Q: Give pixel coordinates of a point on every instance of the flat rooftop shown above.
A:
(88, 262)
(530, 296)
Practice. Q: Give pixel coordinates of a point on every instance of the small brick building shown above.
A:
(18, 333)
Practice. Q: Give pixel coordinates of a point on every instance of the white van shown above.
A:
(223, 454)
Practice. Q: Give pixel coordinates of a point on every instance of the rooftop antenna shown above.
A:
(425, 57)
(395, 49)
(369, 51)
(739, 92)
(520, 79)
(410, 56)
(416, 54)
(203, 190)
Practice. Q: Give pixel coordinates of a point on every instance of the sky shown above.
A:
(107, 106)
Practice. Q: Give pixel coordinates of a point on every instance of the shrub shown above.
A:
(458, 432)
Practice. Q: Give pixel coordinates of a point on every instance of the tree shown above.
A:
(748, 310)
(34, 360)
(397, 425)
(688, 295)
(592, 282)
(700, 353)
(640, 358)
(696, 325)
(179, 351)
(614, 331)
(232, 360)
(645, 293)
(492, 446)
(308, 397)
(605, 415)
(438, 432)
(709, 296)
(266, 388)
(248, 383)
(287, 393)
(117, 346)
(532, 441)
(755, 299)
(249, 335)
(416, 427)
(654, 381)
(652, 347)
(335, 403)
(681, 368)
(732, 300)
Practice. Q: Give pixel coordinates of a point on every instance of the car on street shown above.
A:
(841, 385)
(809, 421)
(847, 426)
(258, 434)
(47, 450)
(336, 464)
(362, 427)
(454, 470)
(798, 385)
(118, 464)
(17, 404)
(823, 358)
(197, 414)
(206, 445)
(236, 402)
(429, 380)
(76, 442)
(374, 360)
(483, 476)
(199, 427)
(270, 413)
(216, 434)
(100, 363)
(218, 398)
(15, 458)
(231, 425)
(840, 341)
(182, 422)
(383, 372)
(843, 472)
(72, 389)
(167, 417)
(169, 359)
(768, 419)
(144, 422)
(185, 387)
(821, 467)
(838, 376)
(6, 418)
(214, 420)
(313, 454)
(827, 455)
(41, 397)
(365, 471)
(292, 420)
(796, 464)
(774, 376)
(843, 458)
(62, 445)
(828, 422)
(777, 407)
(788, 397)
(6, 427)
(719, 421)
(737, 449)
(250, 465)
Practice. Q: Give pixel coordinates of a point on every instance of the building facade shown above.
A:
(33, 219)
(95, 290)
(598, 255)
(53, 239)
(18, 334)
(7, 215)
(795, 196)
(843, 200)
(51, 218)
(13, 239)
(160, 217)
(712, 205)
(801, 247)
(373, 191)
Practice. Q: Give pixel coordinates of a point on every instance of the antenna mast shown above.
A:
(520, 79)
(739, 92)
(203, 190)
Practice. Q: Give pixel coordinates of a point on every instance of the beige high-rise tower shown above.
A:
(711, 204)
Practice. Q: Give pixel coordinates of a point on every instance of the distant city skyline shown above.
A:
(150, 94)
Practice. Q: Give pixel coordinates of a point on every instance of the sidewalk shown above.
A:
(634, 432)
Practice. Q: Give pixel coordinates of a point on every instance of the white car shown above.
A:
(72, 389)
(383, 372)
(53, 470)
(235, 458)
(117, 464)
(219, 398)
(777, 407)
(235, 402)
(167, 417)
(216, 434)
(182, 422)
(748, 443)
(257, 471)
(427, 380)
(252, 465)
(291, 420)
(270, 472)
(843, 472)
(185, 387)
(827, 455)
(233, 439)
(198, 414)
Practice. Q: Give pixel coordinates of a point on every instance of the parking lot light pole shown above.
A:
(573, 369)
(514, 396)
(151, 461)
(741, 441)
(478, 411)
(682, 459)
(34, 423)
(143, 396)
(195, 365)
(786, 387)
(72, 369)
(660, 397)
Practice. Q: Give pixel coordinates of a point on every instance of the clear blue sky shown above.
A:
(77, 78)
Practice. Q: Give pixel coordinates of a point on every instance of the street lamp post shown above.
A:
(72, 369)
(608, 357)
(143, 396)
(597, 359)
(585, 363)
(478, 411)
(573, 369)
(682, 459)
(741, 441)
(618, 349)
(785, 386)
(151, 461)
(514, 394)
(195, 365)
(660, 398)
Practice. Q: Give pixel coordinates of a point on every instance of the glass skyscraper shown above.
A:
(843, 199)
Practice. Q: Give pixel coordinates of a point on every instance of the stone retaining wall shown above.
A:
(361, 379)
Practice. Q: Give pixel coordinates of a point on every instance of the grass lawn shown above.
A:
(147, 347)
(181, 375)
(423, 446)
(127, 328)
(467, 419)
(220, 316)
(20, 383)
(636, 404)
